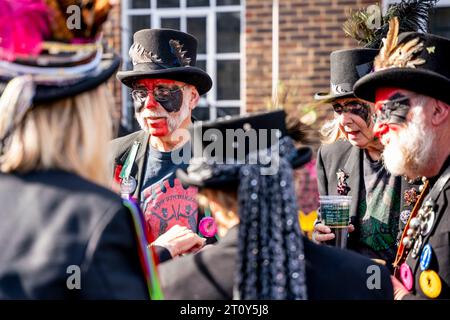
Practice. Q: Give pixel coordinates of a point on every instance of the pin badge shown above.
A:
(404, 216)
(430, 284)
(208, 227)
(425, 257)
(128, 185)
(417, 245)
(428, 224)
(406, 276)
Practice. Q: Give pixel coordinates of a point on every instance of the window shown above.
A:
(440, 21)
(217, 25)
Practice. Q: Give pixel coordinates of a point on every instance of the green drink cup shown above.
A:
(335, 214)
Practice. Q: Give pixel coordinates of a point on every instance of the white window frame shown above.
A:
(211, 57)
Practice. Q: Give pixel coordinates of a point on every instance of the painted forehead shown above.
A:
(383, 94)
(155, 82)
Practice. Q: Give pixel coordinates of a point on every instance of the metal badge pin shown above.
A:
(128, 185)
(428, 223)
(416, 249)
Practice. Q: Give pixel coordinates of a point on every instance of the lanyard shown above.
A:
(128, 165)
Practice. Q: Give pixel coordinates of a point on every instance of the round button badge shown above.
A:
(406, 276)
(425, 257)
(430, 284)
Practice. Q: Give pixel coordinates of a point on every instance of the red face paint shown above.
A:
(158, 126)
(382, 127)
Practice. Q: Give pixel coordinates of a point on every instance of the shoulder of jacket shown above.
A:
(336, 149)
(120, 146)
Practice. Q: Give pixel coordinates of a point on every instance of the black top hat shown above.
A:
(165, 54)
(426, 72)
(346, 67)
(205, 134)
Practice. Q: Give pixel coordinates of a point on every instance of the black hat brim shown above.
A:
(106, 69)
(191, 75)
(303, 156)
(326, 97)
(420, 81)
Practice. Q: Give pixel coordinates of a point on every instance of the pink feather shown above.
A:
(24, 24)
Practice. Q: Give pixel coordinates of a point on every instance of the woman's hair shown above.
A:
(331, 132)
(69, 134)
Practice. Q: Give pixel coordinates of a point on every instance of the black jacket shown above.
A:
(330, 273)
(439, 239)
(119, 149)
(52, 220)
(342, 155)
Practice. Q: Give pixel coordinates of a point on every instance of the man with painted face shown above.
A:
(165, 88)
(349, 162)
(410, 88)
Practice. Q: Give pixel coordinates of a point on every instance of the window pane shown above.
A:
(201, 64)
(228, 31)
(440, 22)
(170, 23)
(168, 3)
(228, 86)
(140, 4)
(201, 113)
(197, 27)
(197, 3)
(227, 111)
(228, 2)
(138, 23)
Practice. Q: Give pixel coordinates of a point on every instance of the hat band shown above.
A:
(149, 66)
(341, 88)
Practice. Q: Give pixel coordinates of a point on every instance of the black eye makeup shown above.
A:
(393, 110)
(355, 107)
(171, 99)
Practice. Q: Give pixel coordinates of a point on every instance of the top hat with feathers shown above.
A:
(165, 54)
(350, 65)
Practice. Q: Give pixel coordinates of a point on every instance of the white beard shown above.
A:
(410, 150)
(173, 121)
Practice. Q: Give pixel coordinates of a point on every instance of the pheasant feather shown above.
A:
(394, 55)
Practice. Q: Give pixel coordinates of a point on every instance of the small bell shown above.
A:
(407, 242)
(414, 223)
(410, 232)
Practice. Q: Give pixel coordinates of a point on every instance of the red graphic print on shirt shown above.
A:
(166, 205)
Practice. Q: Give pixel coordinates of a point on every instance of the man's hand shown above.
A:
(399, 290)
(323, 233)
(179, 240)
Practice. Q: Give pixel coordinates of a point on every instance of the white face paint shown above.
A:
(410, 149)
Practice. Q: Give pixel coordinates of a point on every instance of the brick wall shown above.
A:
(309, 31)
(112, 33)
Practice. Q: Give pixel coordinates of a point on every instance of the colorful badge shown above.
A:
(406, 276)
(208, 227)
(425, 257)
(430, 284)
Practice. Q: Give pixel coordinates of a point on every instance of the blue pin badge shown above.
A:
(425, 257)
